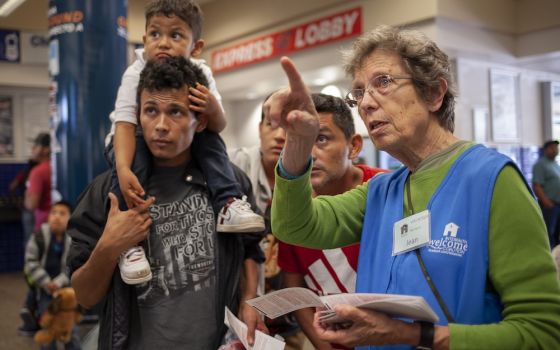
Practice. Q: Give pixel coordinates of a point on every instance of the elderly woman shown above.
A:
(456, 225)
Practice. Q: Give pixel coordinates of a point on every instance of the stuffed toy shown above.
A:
(59, 319)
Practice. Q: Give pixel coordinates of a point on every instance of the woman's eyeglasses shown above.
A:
(382, 84)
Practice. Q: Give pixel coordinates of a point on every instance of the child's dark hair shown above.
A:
(263, 102)
(170, 73)
(187, 10)
(63, 203)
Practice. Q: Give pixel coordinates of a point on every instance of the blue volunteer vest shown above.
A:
(457, 256)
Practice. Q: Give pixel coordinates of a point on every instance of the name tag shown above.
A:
(411, 232)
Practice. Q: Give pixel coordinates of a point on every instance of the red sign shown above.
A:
(325, 30)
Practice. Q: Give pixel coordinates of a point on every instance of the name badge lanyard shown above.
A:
(435, 291)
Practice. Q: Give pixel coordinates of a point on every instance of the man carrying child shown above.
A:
(196, 271)
(173, 29)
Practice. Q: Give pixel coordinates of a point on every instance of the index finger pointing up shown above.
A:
(296, 83)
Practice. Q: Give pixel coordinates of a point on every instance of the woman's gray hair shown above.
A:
(423, 59)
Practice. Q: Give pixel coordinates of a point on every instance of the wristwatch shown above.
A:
(426, 335)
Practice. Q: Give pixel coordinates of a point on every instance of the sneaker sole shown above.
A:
(243, 228)
(137, 280)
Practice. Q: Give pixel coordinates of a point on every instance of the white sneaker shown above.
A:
(237, 216)
(134, 266)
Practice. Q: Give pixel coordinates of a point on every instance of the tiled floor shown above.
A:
(12, 294)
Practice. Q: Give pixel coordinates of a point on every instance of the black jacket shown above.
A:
(85, 228)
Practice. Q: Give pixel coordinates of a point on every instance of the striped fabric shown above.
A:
(35, 260)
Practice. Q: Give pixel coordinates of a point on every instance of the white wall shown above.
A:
(28, 118)
(474, 91)
(28, 75)
(243, 118)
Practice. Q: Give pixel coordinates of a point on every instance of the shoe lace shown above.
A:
(242, 204)
(133, 254)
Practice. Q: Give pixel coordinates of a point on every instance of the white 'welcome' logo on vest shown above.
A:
(449, 243)
(450, 229)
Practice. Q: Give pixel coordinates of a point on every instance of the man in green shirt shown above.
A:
(546, 184)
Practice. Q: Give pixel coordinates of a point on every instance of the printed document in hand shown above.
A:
(262, 340)
(286, 300)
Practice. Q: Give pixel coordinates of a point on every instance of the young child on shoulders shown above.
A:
(173, 28)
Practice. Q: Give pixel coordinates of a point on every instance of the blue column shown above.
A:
(87, 57)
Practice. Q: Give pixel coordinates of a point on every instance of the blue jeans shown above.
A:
(209, 151)
(32, 301)
(27, 223)
(551, 216)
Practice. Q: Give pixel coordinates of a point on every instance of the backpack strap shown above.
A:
(40, 241)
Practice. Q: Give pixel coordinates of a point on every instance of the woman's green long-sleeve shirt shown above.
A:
(521, 269)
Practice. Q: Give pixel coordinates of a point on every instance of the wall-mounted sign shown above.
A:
(551, 109)
(504, 99)
(324, 30)
(6, 127)
(34, 48)
(9, 45)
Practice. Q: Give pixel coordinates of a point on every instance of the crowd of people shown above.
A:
(178, 230)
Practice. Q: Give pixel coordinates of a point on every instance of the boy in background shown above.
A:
(173, 28)
(45, 265)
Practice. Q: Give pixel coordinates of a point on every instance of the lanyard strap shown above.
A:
(435, 291)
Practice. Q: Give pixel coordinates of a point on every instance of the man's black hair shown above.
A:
(550, 143)
(187, 10)
(169, 73)
(42, 139)
(63, 203)
(341, 114)
(263, 102)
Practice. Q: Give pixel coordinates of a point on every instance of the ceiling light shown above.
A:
(251, 95)
(332, 90)
(9, 6)
(319, 81)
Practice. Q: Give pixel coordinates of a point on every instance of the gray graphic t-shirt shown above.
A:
(177, 307)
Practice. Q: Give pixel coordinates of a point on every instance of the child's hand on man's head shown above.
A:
(204, 102)
(131, 189)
